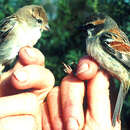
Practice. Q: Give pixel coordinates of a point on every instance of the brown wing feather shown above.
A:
(119, 46)
(119, 35)
(116, 43)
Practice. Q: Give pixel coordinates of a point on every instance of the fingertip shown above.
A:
(20, 79)
(29, 55)
(87, 68)
(32, 76)
(69, 78)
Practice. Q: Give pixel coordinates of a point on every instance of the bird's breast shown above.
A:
(27, 36)
(22, 36)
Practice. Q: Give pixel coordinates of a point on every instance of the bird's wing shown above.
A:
(6, 26)
(116, 43)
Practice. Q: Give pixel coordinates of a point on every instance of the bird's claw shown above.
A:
(67, 69)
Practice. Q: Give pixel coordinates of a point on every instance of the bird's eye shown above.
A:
(39, 21)
(86, 27)
(89, 26)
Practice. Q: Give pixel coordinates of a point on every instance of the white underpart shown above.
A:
(26, 36)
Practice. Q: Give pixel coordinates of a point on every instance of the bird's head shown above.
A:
(97, 24)
(35, 16)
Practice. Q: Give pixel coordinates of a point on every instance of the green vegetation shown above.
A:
(64, 43)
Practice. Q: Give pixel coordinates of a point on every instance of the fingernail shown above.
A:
(20, 75)
(84, 67)
(30, 52)
(72, 124)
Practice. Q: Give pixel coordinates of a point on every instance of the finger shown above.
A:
(46, 124)
(72, 94)
(87, 68)
(54, 105)
(36, 58)
(33, 76)
(29, 55)
(14, 123)
(20, 105)
(98, 101)
(29, 77)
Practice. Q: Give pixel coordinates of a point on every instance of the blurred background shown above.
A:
(64, 43)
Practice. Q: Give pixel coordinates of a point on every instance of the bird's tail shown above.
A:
(119, 103)
(129, 79)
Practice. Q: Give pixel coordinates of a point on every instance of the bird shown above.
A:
(23, 28)
(107, 44)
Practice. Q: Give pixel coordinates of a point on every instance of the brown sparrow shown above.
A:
(21, 29)
(110, 47)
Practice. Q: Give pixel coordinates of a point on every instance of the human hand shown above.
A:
(22, 91)
(64, 107)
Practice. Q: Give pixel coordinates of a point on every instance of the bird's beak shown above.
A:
(46, 27)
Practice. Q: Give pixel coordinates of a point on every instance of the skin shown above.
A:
(24, 109)
(65, 103)
(63, 108)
